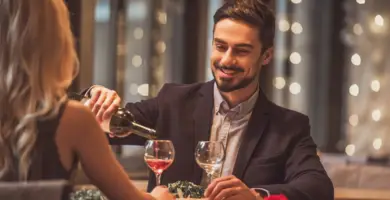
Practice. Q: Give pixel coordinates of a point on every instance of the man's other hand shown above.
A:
(230, 188)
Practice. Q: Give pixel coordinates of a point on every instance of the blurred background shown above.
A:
(330, 63)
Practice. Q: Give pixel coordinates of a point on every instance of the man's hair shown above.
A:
(252, 12)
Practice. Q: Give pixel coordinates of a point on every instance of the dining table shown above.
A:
(340, 193)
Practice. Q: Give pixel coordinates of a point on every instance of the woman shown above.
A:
(37, 123)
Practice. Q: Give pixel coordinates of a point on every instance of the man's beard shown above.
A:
(227, 85)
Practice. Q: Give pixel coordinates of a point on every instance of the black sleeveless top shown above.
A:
(46, 163)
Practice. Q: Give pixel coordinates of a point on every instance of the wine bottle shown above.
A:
(122, 123)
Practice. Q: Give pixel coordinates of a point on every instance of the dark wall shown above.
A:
(337, 73)
(74, 7)
(195, 40)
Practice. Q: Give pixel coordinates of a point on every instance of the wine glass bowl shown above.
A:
(159, 155)
(210, 156)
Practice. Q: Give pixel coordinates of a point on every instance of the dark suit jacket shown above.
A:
(277, 151)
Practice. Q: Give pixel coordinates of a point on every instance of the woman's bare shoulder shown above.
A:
(78, 117)
(76, 107)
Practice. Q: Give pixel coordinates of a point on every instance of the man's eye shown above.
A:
(220, 47)
(242, 52)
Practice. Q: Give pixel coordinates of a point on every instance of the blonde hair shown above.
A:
(37, 65)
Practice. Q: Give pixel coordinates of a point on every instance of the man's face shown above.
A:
(236, 57)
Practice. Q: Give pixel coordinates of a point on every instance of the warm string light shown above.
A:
(162, 17)
(295, 58)
(376, 115)
(283, 25)
(136, 61)
(133, 89)
(378, 25)
(295, 88)
(375, 85)
(357, 29)
(296, 28)
(159, 48)
(377, 143)
(143, 89)
(356, 59)
(354, 90)
(367, 111)
(350, 149)
(361, 1)
(138, 33)
(379, 20)
(296, 1)
(354, 120)
(279, 83)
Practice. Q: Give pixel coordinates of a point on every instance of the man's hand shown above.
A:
(103, 103)
(230, 188)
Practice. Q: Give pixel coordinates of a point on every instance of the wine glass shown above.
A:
(210, 156)
(159, 155)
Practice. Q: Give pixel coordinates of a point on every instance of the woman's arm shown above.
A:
(90, 144)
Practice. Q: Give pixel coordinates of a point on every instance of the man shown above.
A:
(267, 146)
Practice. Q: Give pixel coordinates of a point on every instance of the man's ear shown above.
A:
(267, 56)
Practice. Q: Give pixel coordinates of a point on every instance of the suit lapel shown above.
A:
(203, 117)
(256, 126)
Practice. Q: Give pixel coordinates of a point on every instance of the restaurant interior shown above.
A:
(329, 63)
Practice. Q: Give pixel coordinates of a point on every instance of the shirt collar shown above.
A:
(221, 106)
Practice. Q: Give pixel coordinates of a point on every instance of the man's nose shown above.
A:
(227, 59)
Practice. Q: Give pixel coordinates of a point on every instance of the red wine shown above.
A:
(158, 165)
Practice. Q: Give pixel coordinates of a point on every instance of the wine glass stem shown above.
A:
(158, 179)
(209, 178)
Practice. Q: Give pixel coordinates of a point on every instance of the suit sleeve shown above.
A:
(305, 176)
(146, 113)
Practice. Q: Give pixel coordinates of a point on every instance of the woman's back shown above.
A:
(46, 162)
(74, 135)
(79, 137)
